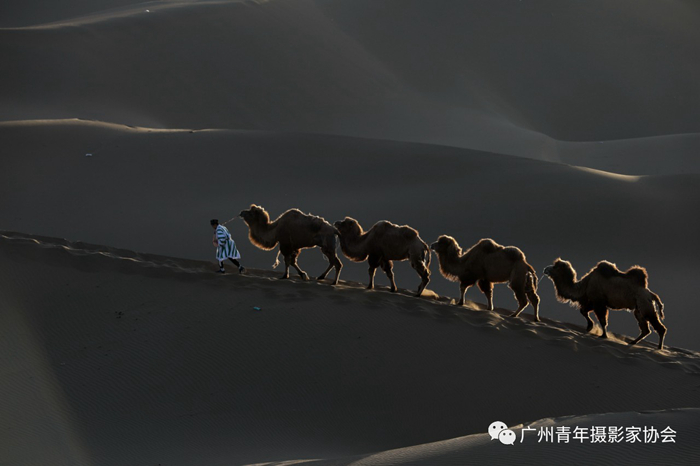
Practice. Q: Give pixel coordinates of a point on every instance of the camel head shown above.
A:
(563, 277)
(255, 215)
(348, 227)
(446, 245)
(561, 270)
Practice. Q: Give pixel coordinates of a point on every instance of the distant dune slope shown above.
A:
(34, 12)
(503, 76)
(113, 357)
(481, 449)
(573, 70)
(155, 191)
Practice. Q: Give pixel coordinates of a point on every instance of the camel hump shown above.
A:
(408, 232)
(292, 214)
(607, 269)
(385, 226)
(382, 227)
(488, 246)
(638, 275)
(514, 254)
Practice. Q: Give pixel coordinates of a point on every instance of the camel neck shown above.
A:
(569, 289)
(264, 234)
(353, 245)
(449, 263)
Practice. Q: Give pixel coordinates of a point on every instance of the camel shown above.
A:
(294, 231)
(606, 287)
(381, 245)
(486, 263)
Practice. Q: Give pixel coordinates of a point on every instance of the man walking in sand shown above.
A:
(225, 247)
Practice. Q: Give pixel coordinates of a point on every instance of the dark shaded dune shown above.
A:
(468, 118)
(572, 70)
(155, 191)
(495, 75)
(663, 155)
(122, 357)
(34, 12)
(233, 65)
(481, 449)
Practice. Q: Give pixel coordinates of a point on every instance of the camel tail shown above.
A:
(426, 256)
(659, 305)
(333, 240)
(277, 260)
(531, 283)
(532, 280)
(327, 242)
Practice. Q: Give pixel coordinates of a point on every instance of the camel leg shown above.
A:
(328, 248)
(287, 261)
(521, 297)
(419, 266)
(338, 266)
(535, 301)
(463, 287)
(294, 264)
(372, 270)
(486, 287)
(518, 289)
(325, 272)
(388, 267)
(585, 313)
(373, 264)
(643, 326)
(531, 293)
(331, 263)
(660, 329)
(647, 312)
(601, 313)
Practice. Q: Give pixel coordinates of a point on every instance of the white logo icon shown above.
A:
(507, 437)
(495, 428)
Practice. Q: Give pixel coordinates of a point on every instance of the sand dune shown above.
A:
(568, 129)
(36, 12)
(574, 71)
(480, 449)
(149, 359)
(662, 155)
(514, 79)
(155, 191)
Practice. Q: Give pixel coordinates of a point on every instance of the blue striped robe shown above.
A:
(226, 248)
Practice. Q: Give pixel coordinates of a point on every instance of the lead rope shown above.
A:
(229, 220)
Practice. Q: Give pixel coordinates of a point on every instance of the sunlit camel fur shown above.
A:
(606, 287)
(383, 244)
(294, 231)
(486, 263)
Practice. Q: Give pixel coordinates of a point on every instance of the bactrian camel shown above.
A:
(486, 263)
(606, 287)
(294, 231)
(381, 245)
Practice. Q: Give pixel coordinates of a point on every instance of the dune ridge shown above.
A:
(183, 349)
(566, 129)
(630, 157)
(473, 314)
(127, 9)
(49, 187)
(480, 449)
(369, 72)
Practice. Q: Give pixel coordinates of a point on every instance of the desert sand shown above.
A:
(568, 129)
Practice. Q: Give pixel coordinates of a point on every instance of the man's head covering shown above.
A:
(214, 221)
